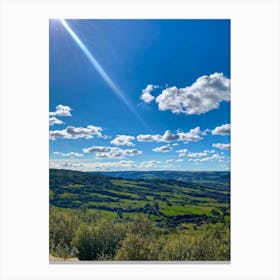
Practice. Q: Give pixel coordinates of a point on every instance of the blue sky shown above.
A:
(139, 94)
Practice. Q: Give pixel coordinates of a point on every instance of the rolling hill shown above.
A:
(169, 198)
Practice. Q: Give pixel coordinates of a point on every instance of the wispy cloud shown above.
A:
(162, 149)
(213, 157)
(71, 154)
(196, 155)
(88, 167)
(182, 152)
(221, 146)
(174, 160)
(148, 164)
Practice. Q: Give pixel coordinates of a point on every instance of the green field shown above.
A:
(170, 206)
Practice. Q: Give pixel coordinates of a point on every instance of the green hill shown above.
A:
(168, 201)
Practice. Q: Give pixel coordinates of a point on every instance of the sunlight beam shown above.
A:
(100, 70)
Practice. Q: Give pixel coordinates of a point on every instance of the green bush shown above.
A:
(98, 241)
(137, 248)
(208, 245)
(62, 227)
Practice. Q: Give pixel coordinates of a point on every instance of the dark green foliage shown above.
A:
(99, 240)
(209, 245)
(92, 237)
(62, 227)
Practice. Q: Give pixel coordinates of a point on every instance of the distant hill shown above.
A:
(221, 179)
(204, 197)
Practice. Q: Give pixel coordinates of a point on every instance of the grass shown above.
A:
(69, 195)
(177, 210)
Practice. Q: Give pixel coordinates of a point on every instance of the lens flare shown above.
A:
(100, 70)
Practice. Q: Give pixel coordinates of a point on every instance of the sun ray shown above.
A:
(100, 70)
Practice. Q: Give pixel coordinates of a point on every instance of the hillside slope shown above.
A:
(167, 201)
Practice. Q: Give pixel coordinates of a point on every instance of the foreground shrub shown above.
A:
(99, 241)
(137, 248)
(208, 245)
(62, 228)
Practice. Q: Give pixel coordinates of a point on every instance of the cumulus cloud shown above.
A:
(123, 140)
(111, 152)
(62, 111)
(162, 149)
(168, 136)
(205, 94)
(222, 130)
(149, 138)
(221, 146)
(192, 135)
(146, 93)
(72, 132)
(54, 120)
(71, 154)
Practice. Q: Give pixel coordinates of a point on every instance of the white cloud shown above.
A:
(62, 111)
(205, 94)
(54, 120)
(213, 157)
(182, 152)
(162, 149)
(71, 154)
(88, 167)
(148, 164)
(209, 151)
(111, 152)
(123, 140)
(72, 132)
(222, 130)
(195, 155)
(168, 136)
(149, 138)
(192, 135)
(146, 93)
(221, 146)
(174, 160)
